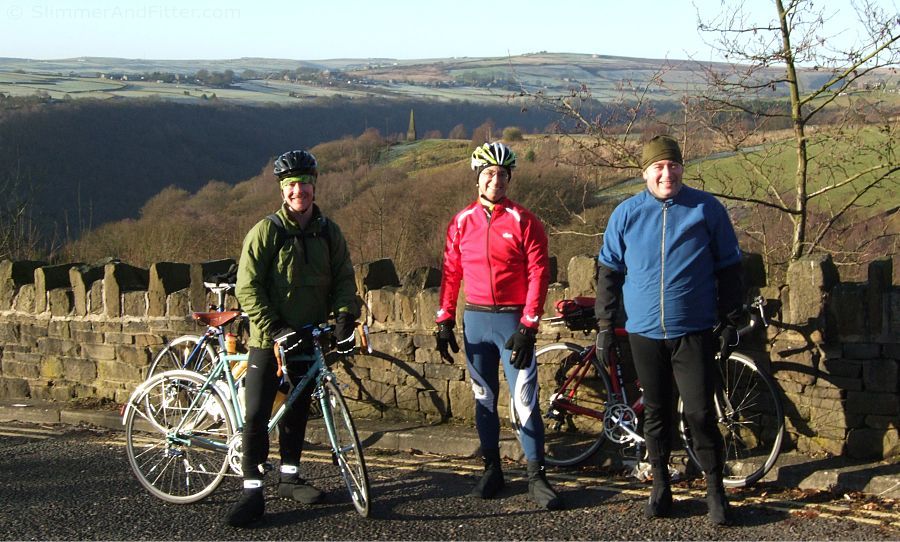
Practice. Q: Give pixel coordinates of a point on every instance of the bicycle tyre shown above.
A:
(176, 352)
(347, 451)
(175, 472)
(754, 431)
(569, 438)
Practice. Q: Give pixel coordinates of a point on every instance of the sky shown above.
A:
(398, 29)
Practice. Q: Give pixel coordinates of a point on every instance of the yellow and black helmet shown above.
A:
(493, 154)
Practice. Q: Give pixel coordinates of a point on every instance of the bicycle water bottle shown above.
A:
(231, 343)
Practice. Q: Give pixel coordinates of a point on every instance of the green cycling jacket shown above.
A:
(294, 279)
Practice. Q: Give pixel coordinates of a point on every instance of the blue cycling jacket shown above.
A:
(669, 252)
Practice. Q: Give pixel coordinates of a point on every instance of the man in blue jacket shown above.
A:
(670, 253)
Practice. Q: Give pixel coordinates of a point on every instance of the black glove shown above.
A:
(728, 340)
(606, 341)
(343, 332)
(522, 345)
(446, 338)
(286, 337)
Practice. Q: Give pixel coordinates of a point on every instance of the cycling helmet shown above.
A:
(493, 154)
(295, 163)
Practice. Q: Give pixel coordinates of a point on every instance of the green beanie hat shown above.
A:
(660, 148)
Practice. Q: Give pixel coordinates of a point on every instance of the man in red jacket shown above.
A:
(498, 249)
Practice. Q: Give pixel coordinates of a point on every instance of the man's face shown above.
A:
(298, 196)
(492, 183)
(664, 178)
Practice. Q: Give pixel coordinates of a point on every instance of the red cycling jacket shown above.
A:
(502, 261)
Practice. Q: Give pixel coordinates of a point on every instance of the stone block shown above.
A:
(13, 275)
(378, 393)
(399, 345)
(140, 326)
(381, 304)
(82, 279)
(118, 338)
(119, 278)
(880, 422)
(24, 300)
(95, 298)
(407, 398)
(443, 372)
(405, 311)
(810, 278)
(165, 278)
(133, 356)
(79, 370)
(51, 368)
(864, 351)
(50, 346)
(13, 388)
(134, 304)
(847, 310)
(872, 444)
(865, 402)
(115, 371)
(427, 305)
(9, 332)
(881, 375)
(582, 276)
(59, 328)
(106, 326)
(47, 278)
(430, 355)
(462, 401)
(179, 303)
(99, 352)
(434, 401)
(841, 367)
(60, 302)
(877, 303)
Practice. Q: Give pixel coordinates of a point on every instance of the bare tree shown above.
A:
(836, 155)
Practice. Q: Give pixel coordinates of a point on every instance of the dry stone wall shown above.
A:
(90, 331)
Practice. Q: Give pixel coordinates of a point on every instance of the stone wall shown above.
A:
(90, 331)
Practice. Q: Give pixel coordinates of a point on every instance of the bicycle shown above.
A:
(183, 429)
(590, 402)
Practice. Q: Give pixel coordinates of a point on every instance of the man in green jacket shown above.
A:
(294, 270)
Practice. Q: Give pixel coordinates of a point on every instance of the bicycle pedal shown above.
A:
(266, 467)
(334, 459)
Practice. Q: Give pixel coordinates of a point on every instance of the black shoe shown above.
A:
(492, 480)
(719, 511)
(249, 509)
(540, 489)
(298, 489)
(660, 503)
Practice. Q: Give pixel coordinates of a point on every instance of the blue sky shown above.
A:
(403, 29)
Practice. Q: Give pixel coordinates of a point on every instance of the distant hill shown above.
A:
(262, 80)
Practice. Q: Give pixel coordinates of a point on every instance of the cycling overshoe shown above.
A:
(492, 480)
(540, 489)
(249, 509)
(296, 488)
(660, 503)
(719, 511)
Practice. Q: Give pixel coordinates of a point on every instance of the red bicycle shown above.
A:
(590, 401)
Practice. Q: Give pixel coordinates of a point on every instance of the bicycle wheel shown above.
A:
(180, 468)
(347, 452)
(573, 410)
(751, 420)
(176, 354)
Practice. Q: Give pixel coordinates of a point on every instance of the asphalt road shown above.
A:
(74, 483)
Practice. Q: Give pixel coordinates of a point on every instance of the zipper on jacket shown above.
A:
(487, 247)
(662, 272)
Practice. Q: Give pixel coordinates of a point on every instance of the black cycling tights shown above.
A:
(261, 386)
(689, 359)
